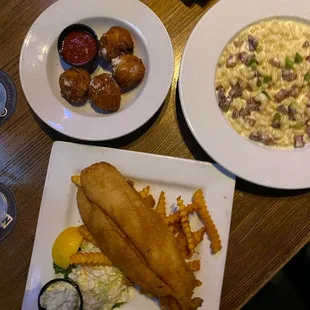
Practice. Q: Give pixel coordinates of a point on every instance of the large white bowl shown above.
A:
(284, 169)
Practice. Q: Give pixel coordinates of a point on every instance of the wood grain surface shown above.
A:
(268, 226)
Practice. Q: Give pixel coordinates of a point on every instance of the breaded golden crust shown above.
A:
(117, 246)
(144, 229)
(74, 84)
(116, 41)
(127, 70)
(105, 93)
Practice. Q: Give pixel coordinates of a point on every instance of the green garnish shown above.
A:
(266, 94)
(277, 117)
(298, 125)
(266, 79)
(60, 270)
(253, 63)
(289, 63)
(307, 77)
(298, 58)
(118, 304)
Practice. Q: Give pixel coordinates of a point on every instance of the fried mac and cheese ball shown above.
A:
(127, 70)
(74, 84)
(115, 42)
(105, 93)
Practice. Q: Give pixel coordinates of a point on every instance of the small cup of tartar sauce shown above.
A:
(60, 294)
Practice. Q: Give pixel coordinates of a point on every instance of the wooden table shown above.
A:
(268, 226)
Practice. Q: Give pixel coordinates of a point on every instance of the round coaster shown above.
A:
(8, 97)
(7, 200)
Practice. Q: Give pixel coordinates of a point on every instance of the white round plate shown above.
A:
(40, 67)
(284, 169)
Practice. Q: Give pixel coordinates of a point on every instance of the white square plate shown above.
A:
(173, 175)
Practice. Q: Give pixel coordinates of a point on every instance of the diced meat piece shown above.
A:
(308, 131)
(252, 105)
(267, 140)
(299, 141)
(281, 95)
(291, 113)
(250, 121)
(308, 58)
(282, 109)
(226, 104)
(229, 99)
(221, 95)
(244, 112)
(238, 43)
(276, 124)
(253, 43)
(306, 44)
(295, 91)
(235, 114)
(288, 75)
(244, 57)
(248, 87)
(255, 136)
(235, 91)
(275, 62)
(308, 94)
(220, 86)
(231, 61)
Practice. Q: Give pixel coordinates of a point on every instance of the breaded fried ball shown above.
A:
(105, 93)
(74, 84)
(116, 41)
(127, 70)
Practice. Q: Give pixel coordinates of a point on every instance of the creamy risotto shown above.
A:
(263, 83)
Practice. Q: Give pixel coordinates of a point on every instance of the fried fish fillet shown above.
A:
(135, 238)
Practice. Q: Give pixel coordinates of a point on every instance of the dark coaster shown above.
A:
(8, 97)
(7, 199)
(188, 2)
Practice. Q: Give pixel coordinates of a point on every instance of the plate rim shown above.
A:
(292, 183)
(129, 127)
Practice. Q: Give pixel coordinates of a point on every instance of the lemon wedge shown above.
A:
(66, 244)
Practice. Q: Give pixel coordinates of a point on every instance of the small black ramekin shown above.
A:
(43, 289)
(77, 27)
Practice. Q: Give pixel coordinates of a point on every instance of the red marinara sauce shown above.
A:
(79, 47)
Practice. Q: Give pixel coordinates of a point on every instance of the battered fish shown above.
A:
(135, 238)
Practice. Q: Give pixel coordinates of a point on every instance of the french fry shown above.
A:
(198, 235)
(176, 227)
(149, 201)
(161, 205)
(173, 218)
(185, 225)
(194, 265)
(191, 208)
(90, 259)
(85, 233)
(210, 227)
(145, 192)
(76, 180)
